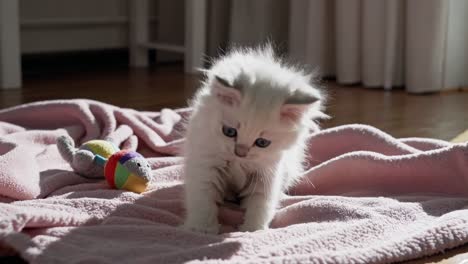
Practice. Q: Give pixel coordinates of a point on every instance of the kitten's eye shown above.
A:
(139, 165)
(229, 131)
(262, 143)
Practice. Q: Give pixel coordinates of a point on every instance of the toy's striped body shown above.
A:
(113, 160)
(118, 176)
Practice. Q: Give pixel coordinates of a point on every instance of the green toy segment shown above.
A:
(121, 175)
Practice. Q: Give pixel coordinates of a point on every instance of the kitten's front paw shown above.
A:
(250, 227)
(201, 227)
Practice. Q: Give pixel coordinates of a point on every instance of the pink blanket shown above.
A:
(367, 196)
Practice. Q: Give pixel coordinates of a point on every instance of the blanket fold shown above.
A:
(366, 197)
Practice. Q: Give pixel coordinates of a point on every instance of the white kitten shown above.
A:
(246, 137)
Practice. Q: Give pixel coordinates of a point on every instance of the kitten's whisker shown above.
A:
(255, 186)
(250, 184)
(264, 184)
(266, 173)
(309, 181)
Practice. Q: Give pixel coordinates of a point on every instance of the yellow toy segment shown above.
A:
(135, 184)
(100, 147)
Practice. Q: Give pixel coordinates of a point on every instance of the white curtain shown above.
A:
(247, 22)
(379, 43)
(419, 44)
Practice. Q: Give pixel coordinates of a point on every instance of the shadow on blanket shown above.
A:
(124, 227)
(141, 230)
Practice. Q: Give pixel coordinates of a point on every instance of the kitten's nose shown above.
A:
(241, 150)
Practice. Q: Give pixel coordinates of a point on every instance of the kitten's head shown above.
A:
(263, 106)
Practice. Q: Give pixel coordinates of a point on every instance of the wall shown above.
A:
(70, 25)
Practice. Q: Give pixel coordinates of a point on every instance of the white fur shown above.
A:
(213, 172)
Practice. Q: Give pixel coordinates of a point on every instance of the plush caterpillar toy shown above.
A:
(123, 169)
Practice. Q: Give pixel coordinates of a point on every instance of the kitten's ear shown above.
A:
(299, 102)
(225, 92)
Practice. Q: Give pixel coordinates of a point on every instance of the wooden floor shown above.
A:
(441, 116)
